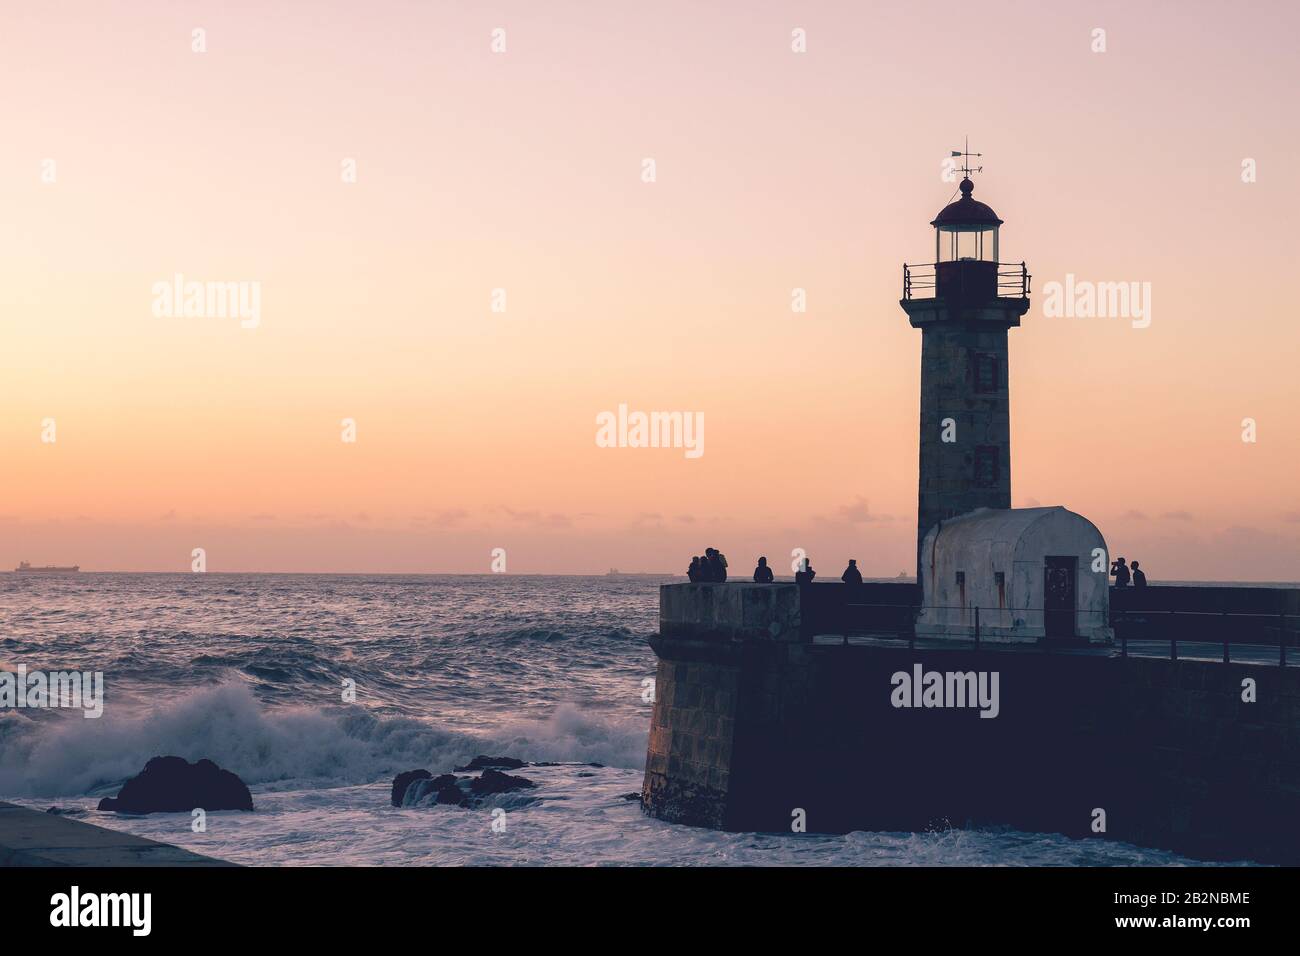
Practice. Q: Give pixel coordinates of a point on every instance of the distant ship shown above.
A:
(613, 573)
(25, 567)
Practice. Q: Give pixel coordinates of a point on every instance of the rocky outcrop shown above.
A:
(494, 781)
(174, 785)
(404, 780)
(421, 788)
(443, 788)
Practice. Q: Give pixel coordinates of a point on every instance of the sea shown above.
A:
(253, 671)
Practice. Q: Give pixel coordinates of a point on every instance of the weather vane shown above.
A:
(966, 155)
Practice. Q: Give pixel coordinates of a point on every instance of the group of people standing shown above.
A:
(712, 568)
(1120, 571)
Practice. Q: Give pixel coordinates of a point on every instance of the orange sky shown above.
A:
(522, 170)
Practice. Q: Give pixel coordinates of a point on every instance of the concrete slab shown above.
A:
(31, 838)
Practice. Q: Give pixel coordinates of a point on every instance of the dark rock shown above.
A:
(452, 796)
(404, 780)
(482, 762)
(174, 785)
(419, 787)
(494, 781)
(633, 796)
(412, 786)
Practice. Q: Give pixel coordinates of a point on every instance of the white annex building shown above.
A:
(1029, 571)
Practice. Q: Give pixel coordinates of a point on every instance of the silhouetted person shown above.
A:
(762, 573)
(1120, 570)
(805, 574)
(851, 574)
(694, 572)
(717, 563)
(1139, 577)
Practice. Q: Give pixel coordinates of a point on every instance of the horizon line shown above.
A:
(572, 574)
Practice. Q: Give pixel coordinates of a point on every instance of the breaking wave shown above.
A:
(286, 747)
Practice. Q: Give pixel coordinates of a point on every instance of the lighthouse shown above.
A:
(964, 303)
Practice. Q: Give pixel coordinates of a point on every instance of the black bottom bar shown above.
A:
(991, 905)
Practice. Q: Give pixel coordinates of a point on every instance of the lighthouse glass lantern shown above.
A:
(954, 243)
(966, 230)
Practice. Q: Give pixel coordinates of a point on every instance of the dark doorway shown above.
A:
(1059, 580)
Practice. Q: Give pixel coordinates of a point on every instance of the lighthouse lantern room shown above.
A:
(966, 229)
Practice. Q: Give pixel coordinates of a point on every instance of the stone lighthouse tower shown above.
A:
(964, 303)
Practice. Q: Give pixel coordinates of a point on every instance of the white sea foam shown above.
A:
(285, 747)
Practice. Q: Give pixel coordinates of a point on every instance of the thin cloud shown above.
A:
(859, 512)
(447, 518)
(538, 519)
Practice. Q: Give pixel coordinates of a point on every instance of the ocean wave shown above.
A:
(285, 747)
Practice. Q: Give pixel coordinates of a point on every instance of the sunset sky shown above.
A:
(522, 171)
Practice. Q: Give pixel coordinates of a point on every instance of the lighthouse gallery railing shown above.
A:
(1013, 280)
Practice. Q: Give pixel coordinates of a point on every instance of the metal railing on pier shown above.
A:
(1255, 623)
(1134, 635)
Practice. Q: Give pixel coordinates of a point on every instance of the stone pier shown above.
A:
(754, 723)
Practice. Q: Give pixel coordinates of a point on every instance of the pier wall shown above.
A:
(750, 730)
(725, 652)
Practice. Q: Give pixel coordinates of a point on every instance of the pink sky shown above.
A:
(522, 171)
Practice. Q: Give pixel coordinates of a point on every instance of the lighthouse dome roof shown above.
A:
(966, 211)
